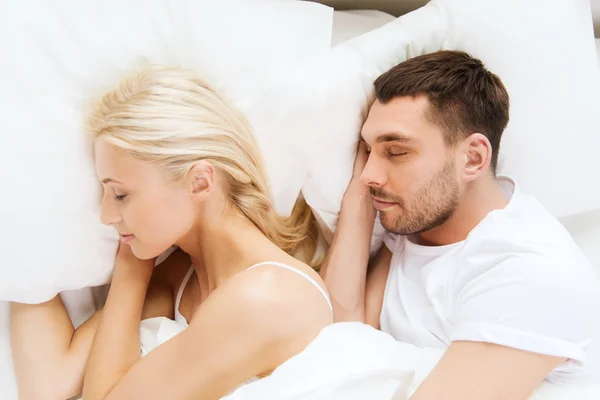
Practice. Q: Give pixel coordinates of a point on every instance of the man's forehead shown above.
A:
(400, 120)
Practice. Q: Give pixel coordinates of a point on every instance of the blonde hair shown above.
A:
(172, 118)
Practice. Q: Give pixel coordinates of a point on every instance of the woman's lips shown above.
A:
(127, 238)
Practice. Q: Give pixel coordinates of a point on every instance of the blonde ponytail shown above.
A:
(171, 117)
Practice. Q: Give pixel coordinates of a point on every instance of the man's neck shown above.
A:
(477, 201)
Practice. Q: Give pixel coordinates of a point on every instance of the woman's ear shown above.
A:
(201, 178)
(477, 155)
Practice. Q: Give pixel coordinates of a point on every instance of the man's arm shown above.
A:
(534, 310)
(376, 280)
(485, 371)
(344, 270)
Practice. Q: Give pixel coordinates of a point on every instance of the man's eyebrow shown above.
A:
(393, 137)
(108, 180)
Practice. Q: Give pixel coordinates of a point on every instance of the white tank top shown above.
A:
(183, 321)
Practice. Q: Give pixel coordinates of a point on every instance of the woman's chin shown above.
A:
(139, 252)
(143, 253)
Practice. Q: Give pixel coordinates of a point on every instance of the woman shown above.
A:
(179, 165)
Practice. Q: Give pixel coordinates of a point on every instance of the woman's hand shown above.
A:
(129, 266)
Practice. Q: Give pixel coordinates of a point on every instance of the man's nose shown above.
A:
(373, 175)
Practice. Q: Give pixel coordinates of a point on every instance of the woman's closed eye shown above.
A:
(119, 197)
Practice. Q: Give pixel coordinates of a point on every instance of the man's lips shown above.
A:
(381, 204)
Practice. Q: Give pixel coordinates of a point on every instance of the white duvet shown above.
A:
(348, 361)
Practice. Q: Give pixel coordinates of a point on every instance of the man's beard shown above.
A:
(431, 206)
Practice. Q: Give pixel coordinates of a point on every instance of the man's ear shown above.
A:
(477, 155)
(201, 178)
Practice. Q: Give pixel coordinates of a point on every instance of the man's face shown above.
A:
(411, 171)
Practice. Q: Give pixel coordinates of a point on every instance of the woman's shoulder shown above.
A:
(288, 271)
(286, 289)
(274, 307)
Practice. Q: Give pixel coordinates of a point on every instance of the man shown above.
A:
(470, 263)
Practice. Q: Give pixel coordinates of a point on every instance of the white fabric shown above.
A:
(532, 55)
(156, 331)
(59, 54)
(180, 319)
(585, 229)
(349, 24)
(350, 361)
(345, 361)
(518, 280)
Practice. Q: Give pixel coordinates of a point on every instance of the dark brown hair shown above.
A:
(464, 96)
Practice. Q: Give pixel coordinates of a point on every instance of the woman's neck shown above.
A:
(220, 248)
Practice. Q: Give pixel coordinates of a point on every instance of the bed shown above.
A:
(585, 227)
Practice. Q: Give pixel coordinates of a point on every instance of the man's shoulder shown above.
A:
(525, 228)
(526, 241)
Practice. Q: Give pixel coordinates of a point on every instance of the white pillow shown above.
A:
(56, 55)
(353, 66)
(349, 24)
(549, 66)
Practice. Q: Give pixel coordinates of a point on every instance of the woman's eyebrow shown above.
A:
(108, 180)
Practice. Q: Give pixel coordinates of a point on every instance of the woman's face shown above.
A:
(150, 212)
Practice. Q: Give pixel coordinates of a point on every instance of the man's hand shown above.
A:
(356, 188)
(345, 267)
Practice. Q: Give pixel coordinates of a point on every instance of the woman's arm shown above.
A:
(49, 355)
(247, 327)
(116, 346)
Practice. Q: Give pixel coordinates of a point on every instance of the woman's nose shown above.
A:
(109, 214)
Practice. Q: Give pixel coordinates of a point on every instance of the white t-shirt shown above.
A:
(518, 280)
